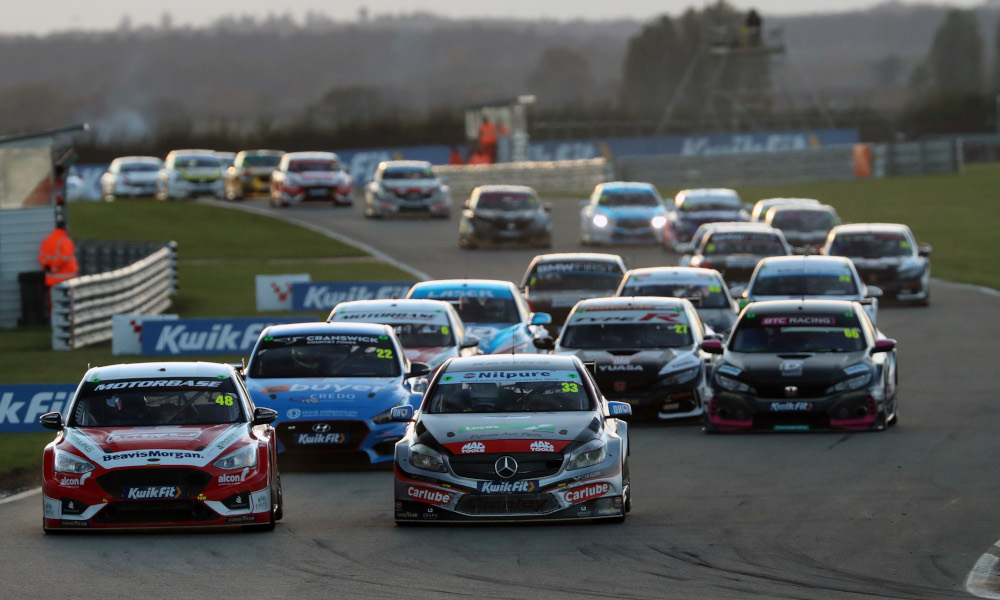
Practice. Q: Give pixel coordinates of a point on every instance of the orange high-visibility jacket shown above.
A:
(57, 255)
(487, 133)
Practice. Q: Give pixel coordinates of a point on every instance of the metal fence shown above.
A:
(82, 307)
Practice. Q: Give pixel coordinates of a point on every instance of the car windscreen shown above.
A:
(506, 201)
(486, 310)
(509, 391)
(325, 355)
(302, 166)
(809, 332)
(140, 168)
(805, 284)
(603, 336)
(261, 160)
(195, 162)
(702, 295)
(706, 203)
(575, 275)
(757, 245)
(424, 335)
(870, 245)
(618, 199)
(408, 173)
(803, 220)
(152, 402)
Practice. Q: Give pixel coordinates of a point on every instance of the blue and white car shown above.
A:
(333, 385)
(494, 311)
(622, 212)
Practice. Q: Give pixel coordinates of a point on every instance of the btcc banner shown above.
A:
(21, 405)
(205, 336)
(322, 296)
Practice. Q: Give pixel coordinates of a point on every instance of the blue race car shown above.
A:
(333, 385)
(622, 212)
(494, 311)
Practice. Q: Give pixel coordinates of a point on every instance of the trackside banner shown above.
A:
(21, 405)
(324, 295)
(205, 336)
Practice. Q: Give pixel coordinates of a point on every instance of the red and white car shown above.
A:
(153, 445)
(309, 176)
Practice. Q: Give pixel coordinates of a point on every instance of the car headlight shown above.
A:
(383, 417)
(426, 459)
(683, 376)
(592, 453)
(66, 462)
(600, 221)
(659, 221)
(733, 385)
(238, 459)
(909, 270)
(852, 383)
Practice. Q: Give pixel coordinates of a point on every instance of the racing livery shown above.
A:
(308, 176)
(703, 287)
(406, 187)
(493, 311)
(734, 250)
(819, 277)
(189, 174)
(513, 438)
(333, 385)
(131, 177)
(692, 208)
(622, 212)
(797, 365)
(160, 445)
(250, 173)
(886, 255)
(553, 283)
(430, 331)
(645, 349)
(761, 207)
(504, 214)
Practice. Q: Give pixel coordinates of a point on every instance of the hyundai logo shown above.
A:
(791, 391)
(321, 427)
(506, 467)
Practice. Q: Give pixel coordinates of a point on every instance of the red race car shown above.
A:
(153, 445)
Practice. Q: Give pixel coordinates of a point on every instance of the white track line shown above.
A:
(20, 495)
(984, 579)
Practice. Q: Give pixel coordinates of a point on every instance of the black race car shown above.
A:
(802, 365)
(504, 214)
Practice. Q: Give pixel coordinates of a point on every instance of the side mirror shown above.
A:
(874, 291)
(924, 249)
(547, 206)
(263, 416)
(401, 414)
(544, 343)
(619, 410)
(418, 369)
(469, 341)
(541, 318)
(467, 203)
(52, 420)
(712, 346)
(884, 345)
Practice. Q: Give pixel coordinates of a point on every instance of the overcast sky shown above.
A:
(21, 16)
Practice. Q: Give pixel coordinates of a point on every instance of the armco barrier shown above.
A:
(82, 307)
(543, 176)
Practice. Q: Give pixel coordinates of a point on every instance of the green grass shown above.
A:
(22, 450)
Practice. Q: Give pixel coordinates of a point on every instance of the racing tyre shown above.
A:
(279, 511)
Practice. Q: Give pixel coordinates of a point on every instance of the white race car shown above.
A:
(407, 187)
(131, 177)
(189, 174)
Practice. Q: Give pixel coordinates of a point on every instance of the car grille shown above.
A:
(507, 504)
(193, 481)
(155, 511)
(877, 276)
(804, 391)
(502, 223)
(355, 433)
(413, 195)
(530, 465)
(633, 223)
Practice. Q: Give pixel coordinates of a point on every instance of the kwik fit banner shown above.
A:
(206, 336)
(322, 296)
(21, 405)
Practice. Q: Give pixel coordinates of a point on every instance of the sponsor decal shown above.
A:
(587, 492)
(405, 514)
(393, 317)
(158, 384)
(453, 378)
(140, 435)
(524, 486)
(428, 495)
(507, 427)
(324, 295)
(205, 336)
(542, 446)
(73, 481)
(798, 321)
(232, 478)
(80, 523)
(790, 406)
(242, 519)
(153, 492)
(463, 293)
(473, 448)
(274, 389)
(791, 368)
(577, 267)
(175, 454)
(619, 367)
(607, 512)
(293, 413)
(229, 439)
(316, 439)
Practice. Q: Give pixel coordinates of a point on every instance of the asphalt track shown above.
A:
(906, 513)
